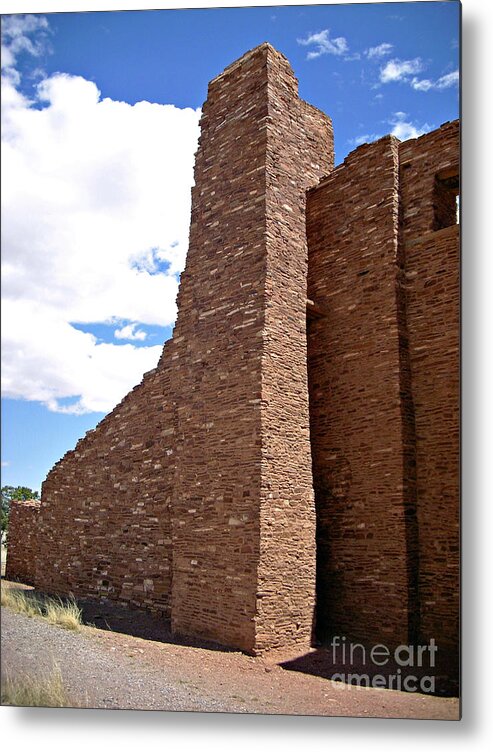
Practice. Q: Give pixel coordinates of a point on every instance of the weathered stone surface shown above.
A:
(429, 183)
(243, 513)
(355, 392)
(22, 541)
(104, 524)
(267, 475)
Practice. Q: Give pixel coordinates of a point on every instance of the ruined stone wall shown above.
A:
(384, 389)
(357, 423)
(104, 523)
(195, 495)
(243, 516)
(432, 261)
(432, 264)
(422, 161)
(22, 541)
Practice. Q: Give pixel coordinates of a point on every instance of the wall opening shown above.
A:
(446, 198)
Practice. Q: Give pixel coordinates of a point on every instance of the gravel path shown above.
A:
(106, 669)
(94, 673)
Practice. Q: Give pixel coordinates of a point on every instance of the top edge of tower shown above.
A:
(260, 49)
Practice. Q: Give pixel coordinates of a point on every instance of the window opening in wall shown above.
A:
(446, 198)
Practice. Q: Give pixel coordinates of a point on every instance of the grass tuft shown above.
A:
(34, 692)
(20, 602)
(66, 614)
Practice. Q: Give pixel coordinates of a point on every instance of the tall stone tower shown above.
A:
(243, 505)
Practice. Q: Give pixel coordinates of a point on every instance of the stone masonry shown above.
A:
(290, 468)
(23, 541)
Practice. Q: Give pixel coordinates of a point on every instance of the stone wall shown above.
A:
(357, 424)
(432, 257)
(22, 541)
(423, 162)
(300, 151)
(433, 314)
(104, 523)
(384, 390)
(217, 364)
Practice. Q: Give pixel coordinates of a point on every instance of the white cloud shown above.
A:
(444, 82)
(60, 362)
(381, 50)
(406, 70)
(423, 84)
(450, 79)
(400, 70)
(129, 332)
(365, 138)
(17, 36)
(95, 215)
(352, 56)
(324, 45)
(5, 463)
(404, 129)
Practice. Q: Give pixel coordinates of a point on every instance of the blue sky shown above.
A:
(100, 123)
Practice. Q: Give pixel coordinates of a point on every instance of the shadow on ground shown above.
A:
(125, 620)
(362, 670)
(319, 662)
(138, 623)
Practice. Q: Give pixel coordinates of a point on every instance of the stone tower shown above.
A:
(243, 516)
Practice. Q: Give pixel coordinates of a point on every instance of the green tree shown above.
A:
(9, 493)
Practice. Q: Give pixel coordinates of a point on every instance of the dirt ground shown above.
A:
(129, 659)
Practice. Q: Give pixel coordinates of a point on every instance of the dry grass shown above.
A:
(65, 614)
(34, 692)
(18, 601)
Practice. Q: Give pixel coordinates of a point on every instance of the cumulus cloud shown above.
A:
(95, 215)
(404, 129)
(401, 127)
(364, 138)
(381, 50)
(324, 45)
(22, 34)
(444, 82)
(406, 70)
(66, 369)
(400, 70)
(130, 332)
